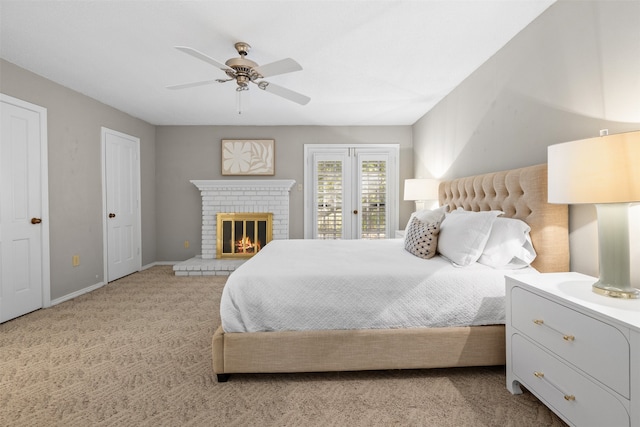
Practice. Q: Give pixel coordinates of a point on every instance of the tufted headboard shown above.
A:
(522, 194)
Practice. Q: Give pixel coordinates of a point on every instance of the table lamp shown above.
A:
(604, 171)
(421, 190)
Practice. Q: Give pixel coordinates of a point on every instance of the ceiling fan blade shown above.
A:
(202, 57)
(192, 84)
(283, 66)
(284, 92)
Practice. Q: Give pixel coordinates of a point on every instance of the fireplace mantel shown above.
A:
(219, 184)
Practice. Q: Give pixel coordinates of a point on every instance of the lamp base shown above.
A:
(615, 292)
(614, 254)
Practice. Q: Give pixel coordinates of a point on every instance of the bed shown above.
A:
(326, 346)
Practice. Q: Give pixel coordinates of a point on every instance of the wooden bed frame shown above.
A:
(520, 193)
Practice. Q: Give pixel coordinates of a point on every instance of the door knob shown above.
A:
(355, 211)
(112, 215)
(36, 220)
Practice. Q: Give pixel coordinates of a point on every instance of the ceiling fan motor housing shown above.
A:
(244, 70)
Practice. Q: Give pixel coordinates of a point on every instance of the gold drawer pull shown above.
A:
(567, 397)
(565, 337)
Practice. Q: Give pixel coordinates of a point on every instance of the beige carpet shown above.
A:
(137, 352)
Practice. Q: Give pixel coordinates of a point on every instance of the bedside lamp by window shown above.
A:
(604, 171)
(421, 190)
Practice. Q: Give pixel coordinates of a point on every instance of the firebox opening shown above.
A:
(242, 235)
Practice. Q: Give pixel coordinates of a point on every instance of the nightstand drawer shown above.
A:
(578, 399)
(593, 346)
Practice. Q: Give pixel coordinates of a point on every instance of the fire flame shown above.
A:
(246, 245)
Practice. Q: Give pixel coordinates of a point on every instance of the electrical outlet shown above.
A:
(186, 244)
(75, 260)
(299, 187)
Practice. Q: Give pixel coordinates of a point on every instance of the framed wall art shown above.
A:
(248, 157)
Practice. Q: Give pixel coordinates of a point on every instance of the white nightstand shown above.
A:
(577, 351)
(399, 234)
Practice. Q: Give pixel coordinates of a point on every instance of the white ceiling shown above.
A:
(364, 62)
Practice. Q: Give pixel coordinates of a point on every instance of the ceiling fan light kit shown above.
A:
(245, 71)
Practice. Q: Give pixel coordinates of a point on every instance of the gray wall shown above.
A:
(570, 73)
(75, 177)
(184, 153)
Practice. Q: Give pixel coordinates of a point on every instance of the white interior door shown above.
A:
(121, 190)
(24, 230)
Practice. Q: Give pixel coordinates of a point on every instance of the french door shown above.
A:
(351, 191)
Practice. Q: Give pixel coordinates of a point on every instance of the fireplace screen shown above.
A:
(242, 235)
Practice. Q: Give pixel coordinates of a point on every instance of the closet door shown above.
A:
(24, 207)
(350, 192)
(121, 209)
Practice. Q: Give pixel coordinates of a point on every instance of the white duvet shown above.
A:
(357, 284)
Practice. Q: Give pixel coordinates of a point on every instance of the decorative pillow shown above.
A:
(422, 238)
(464, 234)
(509, 245)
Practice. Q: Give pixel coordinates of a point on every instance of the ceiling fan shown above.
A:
(245, 71)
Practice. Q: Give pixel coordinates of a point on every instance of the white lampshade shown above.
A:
(596, 170)
(604, 171)
(421, 189)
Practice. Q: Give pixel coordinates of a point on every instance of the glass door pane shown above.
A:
(373, 199)
(329, 199)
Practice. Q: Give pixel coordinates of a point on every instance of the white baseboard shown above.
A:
(153, 264)
(75, 294)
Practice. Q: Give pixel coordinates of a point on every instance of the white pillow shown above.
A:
(509, 245)
(464, 234)
(428, 216)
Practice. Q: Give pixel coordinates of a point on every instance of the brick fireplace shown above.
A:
(238, 196)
